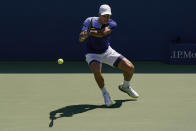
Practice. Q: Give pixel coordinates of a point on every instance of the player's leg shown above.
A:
(115, 59)
(95, 65)
(128, 69)
(96, 69)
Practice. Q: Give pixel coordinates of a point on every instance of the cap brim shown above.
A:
(106, 13)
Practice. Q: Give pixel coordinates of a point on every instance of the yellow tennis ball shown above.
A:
(60, 61)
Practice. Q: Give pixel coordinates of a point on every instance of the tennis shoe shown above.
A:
(107, 99)
(129, 91)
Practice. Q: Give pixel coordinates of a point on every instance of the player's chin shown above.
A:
(105, 22)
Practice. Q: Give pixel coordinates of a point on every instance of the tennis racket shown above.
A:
(89, 26)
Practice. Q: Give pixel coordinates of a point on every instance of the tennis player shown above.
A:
(97, 31)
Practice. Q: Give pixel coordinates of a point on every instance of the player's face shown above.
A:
(103, 19)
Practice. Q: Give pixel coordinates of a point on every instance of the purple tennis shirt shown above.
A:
(95, 44)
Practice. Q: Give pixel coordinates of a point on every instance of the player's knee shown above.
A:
(95, 68)
(127, 66)
(130, 67)
(96, 72)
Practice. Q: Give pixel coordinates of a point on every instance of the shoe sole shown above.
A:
(126, 92)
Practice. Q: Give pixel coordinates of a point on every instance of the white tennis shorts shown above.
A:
(110, 57)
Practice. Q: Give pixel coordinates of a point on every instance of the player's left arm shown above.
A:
(100, 33)
(105, 31)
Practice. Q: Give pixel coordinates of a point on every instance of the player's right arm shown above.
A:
(84, 34)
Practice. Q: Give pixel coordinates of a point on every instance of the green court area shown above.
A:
(42, 96)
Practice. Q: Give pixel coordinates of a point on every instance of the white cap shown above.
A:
(105, 10)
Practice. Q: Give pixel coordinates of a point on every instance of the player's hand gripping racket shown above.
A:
(85, 34)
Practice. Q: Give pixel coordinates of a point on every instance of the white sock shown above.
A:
(126, 83)
(103, 90)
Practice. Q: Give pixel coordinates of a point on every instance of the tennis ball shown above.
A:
(60, 61)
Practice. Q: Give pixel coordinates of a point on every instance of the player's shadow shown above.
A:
(69, 111)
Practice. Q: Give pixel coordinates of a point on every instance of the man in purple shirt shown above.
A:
(97, 31)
